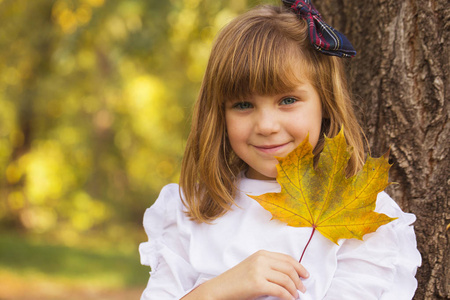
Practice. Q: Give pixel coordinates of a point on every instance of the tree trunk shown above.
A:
(400, 80)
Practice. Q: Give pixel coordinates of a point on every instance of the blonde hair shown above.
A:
(257, 53)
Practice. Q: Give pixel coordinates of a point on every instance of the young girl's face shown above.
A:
(262, 127)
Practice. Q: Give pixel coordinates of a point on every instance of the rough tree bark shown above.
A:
(400, 80)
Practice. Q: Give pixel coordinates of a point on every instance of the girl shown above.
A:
(265, 89)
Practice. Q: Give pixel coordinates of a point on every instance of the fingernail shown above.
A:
(303, 289)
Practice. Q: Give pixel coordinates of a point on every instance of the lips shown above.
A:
(271, 149)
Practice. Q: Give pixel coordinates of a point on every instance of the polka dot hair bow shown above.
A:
(323, 37)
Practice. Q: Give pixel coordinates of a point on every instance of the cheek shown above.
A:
(233, 132)
(314, 138)
(237, 141)
(308, 126)
(316, 126)
(237, 127)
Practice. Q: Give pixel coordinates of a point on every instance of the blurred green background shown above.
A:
(95, 102)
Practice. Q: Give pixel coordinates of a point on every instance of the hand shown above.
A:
(262, 274)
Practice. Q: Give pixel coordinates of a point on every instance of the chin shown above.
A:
(270, 175)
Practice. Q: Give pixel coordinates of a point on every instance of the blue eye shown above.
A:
(243, 105)
(289, 100)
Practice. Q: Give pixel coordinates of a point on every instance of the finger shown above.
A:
(284, 281)
(299, 268)
(275, 290)
(289, 269)
(284, 263)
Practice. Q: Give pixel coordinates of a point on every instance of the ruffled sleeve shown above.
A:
(166, 251)
(381, 267)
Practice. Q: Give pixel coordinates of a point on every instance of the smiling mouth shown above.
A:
(271, 149)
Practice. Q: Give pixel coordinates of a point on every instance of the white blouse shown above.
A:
(183, 254)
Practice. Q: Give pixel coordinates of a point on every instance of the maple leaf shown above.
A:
(323, 197)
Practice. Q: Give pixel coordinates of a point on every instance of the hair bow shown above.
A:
(323, 37)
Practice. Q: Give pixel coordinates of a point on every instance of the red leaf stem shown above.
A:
(312, 233)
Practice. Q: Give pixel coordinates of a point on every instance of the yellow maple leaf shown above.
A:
(323, 197)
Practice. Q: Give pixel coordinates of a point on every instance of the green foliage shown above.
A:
(95, 101)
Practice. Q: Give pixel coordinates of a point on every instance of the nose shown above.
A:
(267, 122)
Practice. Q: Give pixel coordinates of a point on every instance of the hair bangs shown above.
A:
(262, 62)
